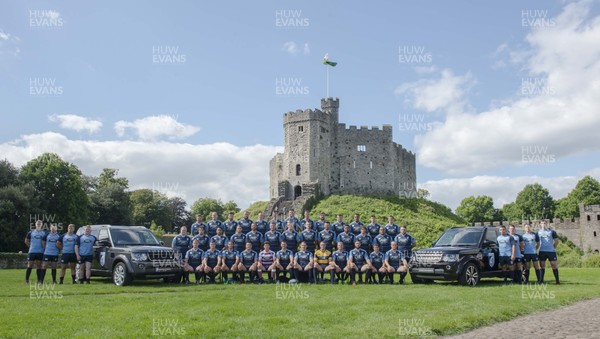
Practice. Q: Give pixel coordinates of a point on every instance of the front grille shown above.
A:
(425, 257)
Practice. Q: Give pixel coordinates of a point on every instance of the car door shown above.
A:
(102, 262)
(490, 251)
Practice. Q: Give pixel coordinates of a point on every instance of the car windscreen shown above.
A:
(132, 236)
(460, 237)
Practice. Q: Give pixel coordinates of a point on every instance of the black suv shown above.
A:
(131, 252)
(466, 254)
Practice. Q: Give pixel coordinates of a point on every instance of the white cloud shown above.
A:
(219, 170)
(156, 126)
(9, 44)
(560, 113)
(76, 122)
(503, 190)
(293, 48)
(431, 95)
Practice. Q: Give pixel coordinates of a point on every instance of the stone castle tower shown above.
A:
(322, 157)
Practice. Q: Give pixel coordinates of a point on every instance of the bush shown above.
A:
(591, 260)
(157, 230)
(571, 259)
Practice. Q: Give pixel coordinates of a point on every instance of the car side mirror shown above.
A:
(433, 244)
(104, 242)
(162, 243)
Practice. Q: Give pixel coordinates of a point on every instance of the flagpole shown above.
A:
(327, 66)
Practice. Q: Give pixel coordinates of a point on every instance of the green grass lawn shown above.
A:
(149, 308)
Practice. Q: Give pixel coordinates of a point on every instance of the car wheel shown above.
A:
(416, 280)
(120, 275)
(469, 275)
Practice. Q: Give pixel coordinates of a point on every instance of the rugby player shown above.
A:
(358, 262)
(68, 257)
(518, 250)
(198, 224)
(290, 236)
(340, 264)
(239, 239)
(284, 260)
(273, 237)
(338, 226)
(346, 238)
(203, 239)
(35, 241)
(406, 242)
(391, 229)
(373, 227)
(229, 262)
(303, 262)
(213, 224)
(377, 266)
(506, 255)
(84, 250)
(229, 225)
(383, 240)
(266, 262)
(220, 240)
(355, 225)
(248, 263)
(51, 251)
(309, 237)
(323, 260)
(262, 226)
(181, 243)
(327, 236)
(306, 220)
(245, 222)
(211, 262)
(395, 263)
(364, 238)
(320, 224)
(192, 262)
(531, 244)
(254, 237)
(295, 221)
(548, 243)
(279, 226)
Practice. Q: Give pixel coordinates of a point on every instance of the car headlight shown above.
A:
(139, 256)
(450, 257)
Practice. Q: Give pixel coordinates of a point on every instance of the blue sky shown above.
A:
(187, 96)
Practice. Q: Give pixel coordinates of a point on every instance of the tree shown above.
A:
(8, 173)
(231, 206)
(148, 205)
(536, 202)
(181, 217)
(205, 206)
(59, 187)
(18, 211)
(512, 212)
(477, 209)
(109, 199)
(587, 191)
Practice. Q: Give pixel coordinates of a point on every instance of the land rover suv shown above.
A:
(463, 254)
(125, 253)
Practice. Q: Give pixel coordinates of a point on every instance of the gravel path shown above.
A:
(580, 320)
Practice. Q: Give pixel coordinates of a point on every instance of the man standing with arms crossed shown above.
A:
(548, 243)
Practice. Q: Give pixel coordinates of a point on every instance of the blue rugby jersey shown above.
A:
(285, 257)
(303, 257)
(365, 241)
(203, 241)
(291, 238)
(211, 227)
(338, 227)
(246, 224)
(256, 239)
(547, 240)
(86, 244)
(392, 230)
(328, 237)
(355, 227)
(262, 226)
(347, 239)
(394, 257)
(229, 257)
(51, 239)
(35, 241)
(68, 242)
(229, 227)
(530, 243)
(518, 241)
(377, 259)
(373, 230)
(274, 239)
(220, 241)
(195, 226)
(359, 256)
(212, 257)
(340, 258)
(239, 241)
(309, 237)
(248, 257)
(405, 243)
(194, 257)
(505, 244)
(181, 243)
(384, 241)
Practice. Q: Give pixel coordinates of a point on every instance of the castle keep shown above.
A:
(322, 157)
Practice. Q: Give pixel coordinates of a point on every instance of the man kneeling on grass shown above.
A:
(248, 263)
(193, 263)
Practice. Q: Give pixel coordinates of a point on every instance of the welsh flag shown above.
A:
(327, 62)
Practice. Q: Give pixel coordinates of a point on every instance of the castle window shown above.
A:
(594, 233)
(598, 217)
(589, 218)
(323, 130)
(300, 128)
(361, 148)
(298, 169)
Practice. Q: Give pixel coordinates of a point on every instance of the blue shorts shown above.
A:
(35, 256)
(547, 255)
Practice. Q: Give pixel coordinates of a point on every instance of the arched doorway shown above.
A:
(297, 191)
